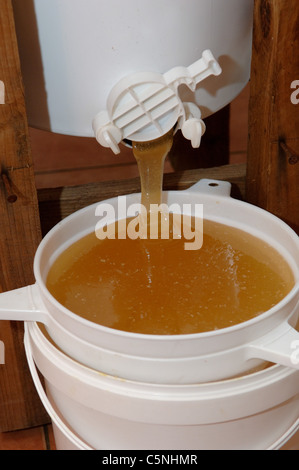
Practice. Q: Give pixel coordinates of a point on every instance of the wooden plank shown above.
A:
(273, 148)
(19, 234)
(56, 204)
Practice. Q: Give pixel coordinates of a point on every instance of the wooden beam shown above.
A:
(56, 204)
(20, 232)
(273, 149)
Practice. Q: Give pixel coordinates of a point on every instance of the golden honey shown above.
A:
(150, 157)
(158, 287)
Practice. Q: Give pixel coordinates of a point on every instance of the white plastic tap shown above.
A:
(144, 106)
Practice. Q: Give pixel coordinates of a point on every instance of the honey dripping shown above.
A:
(150, 157)
(156, 286)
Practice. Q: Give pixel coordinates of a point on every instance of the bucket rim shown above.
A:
(68, 364)
(242, 397)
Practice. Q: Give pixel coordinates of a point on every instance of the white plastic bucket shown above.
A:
(177, 359)
(66, 440)
(95, 411)
(74, 51)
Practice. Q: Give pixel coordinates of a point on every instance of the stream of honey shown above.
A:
(156, 286)
(150, 157)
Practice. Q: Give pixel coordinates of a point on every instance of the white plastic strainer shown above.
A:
(174, 359)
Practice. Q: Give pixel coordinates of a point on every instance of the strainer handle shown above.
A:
(281, 346)
(212, 187)
(23, 304)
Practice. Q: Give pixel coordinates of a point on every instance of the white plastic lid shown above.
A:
(145, 106)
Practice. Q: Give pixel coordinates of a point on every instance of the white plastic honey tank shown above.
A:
(74, 51)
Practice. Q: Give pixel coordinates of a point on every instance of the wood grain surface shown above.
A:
(273, 149)
(19, 232)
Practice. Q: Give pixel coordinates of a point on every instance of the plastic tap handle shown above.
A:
(191, 124)
(144, 106)
(195, 73)
(109, 136)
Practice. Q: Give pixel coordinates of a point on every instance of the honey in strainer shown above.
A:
(158, 287)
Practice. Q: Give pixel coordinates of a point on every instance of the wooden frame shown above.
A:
(20, 231)
(270, 181)
(273, 146)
